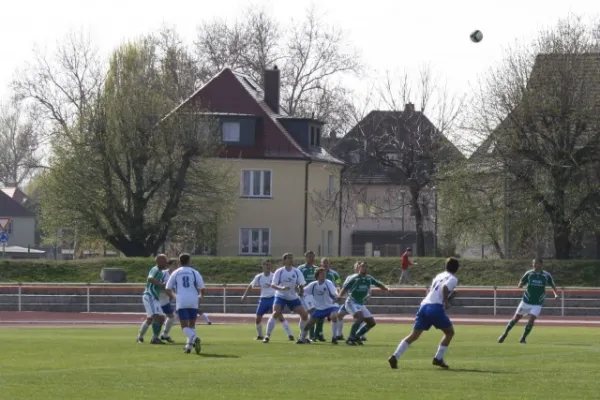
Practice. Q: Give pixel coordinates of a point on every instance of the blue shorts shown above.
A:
(291, 304)
(265, 306)
(187, 314)
(323, 313)
(432, 315)
(168, 309)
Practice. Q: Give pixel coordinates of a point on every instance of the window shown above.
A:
(331, 187)
(256, 183)
(255, 241)
(361, 210)
(231, 131)
(354, 157)
(314, 136)
(329, 243)
(9, 228)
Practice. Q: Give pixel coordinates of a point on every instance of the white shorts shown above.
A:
(308, 302)
(530, 309)
(152, 306)
(352, 308)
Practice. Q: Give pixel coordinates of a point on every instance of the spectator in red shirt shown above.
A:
(406, 263)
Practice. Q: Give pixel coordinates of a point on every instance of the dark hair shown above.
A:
(184, 259)
(408, 249)
(286, 256)
(452, 264)
(538, 260)
(309, 253)
(318, 271)
(265, 261)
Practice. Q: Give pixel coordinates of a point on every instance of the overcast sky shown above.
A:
(390, 34)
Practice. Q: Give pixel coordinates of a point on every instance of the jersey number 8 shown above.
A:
(186, 281)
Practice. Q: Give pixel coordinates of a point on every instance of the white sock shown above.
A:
(402, 347)
(189, 332)
(144, 328)
(340, 327)
(301, 324)
(259, 329)
(168, 325)
(205, 318)
(334, 325)
(286, 326)
(441, 351)
(271, 325)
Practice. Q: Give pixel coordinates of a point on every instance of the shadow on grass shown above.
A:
(212, 355)
(477, 371)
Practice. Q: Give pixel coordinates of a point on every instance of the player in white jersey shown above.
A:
(285, 282)
(165, 302)
(432, 313)
(267, 298)
(188, 286)
(322, 294)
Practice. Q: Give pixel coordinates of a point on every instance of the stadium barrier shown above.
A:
(226, 298)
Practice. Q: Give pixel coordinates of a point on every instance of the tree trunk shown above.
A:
(134, 249)
(562, 241)
(597, 234)
(498, 249)
(420, 235)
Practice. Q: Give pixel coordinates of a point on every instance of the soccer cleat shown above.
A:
(140, 339)
(156, 341)
(321, 338)
(291, 338)
(197, 346)
(209, 323)
(300, 341)
(359, 342)
(440, 363)
(334, 341)
(187, 350)
(259, 338)
(393, 362)
(351, 342)
(363, 338)
(523, 341)
(341, 337)
(167, 339)
(501, 339)
(266, 339)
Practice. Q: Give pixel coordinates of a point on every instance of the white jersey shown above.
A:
(290, 279)
(264, 283)
(186, 282)
(163, 299)
(436, 292)
(323, 294)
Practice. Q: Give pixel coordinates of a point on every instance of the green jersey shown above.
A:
(308, 271)
(358, 287)
(334, 277)
(535, 291)
(152, 289)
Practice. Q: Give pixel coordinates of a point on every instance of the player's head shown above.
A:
(325, 263)
(310, 257)
(172, 263)
(356, 266)
(452, 265)
(409, 251)
(266, 265)
(288, 259)
(161, 261)
(184, 259)
(320, 274)
(362, 268)
(537, 263)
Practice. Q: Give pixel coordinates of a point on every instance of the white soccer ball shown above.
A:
(476, 36)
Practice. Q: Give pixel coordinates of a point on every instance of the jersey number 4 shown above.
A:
(186, 281)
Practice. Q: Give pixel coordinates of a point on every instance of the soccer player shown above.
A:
(535, 282)
(150, 298)
(323, 293)
(188, 286)
(342, 311)
(358, 287)
(308, 270)
(267, 297)
(165, 302)
(432, 313)
(334, 277)
(204, 317)
(285, 282)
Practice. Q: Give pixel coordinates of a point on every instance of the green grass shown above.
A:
(242, 269)
(105, 363)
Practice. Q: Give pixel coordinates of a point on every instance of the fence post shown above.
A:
(87, 289)
(19, 293)
(495, 299)
(562, 302)
(224, 298)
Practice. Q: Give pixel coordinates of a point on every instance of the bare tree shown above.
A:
(20, 141)
(539, 112)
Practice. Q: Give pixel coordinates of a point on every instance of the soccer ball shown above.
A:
(476, 36)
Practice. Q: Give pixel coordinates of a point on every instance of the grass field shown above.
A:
(106, 363)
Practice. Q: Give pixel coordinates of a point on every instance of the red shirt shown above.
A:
(405, 261)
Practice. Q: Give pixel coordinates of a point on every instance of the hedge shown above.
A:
(242, 269)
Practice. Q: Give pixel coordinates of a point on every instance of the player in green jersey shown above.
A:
(535, 282)
(151, 300)
(334, 277)
(308, 270)
(358, 286)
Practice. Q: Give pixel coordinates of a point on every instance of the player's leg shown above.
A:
(368, 324)
(533, 314)
(148, 321)
(319, 330)
(278, 305)
(333, 316)
(204, 316)
(298, 308)
(438, 359)
(185, 323)
(341, 314)
(286, 327)
(521, 310)
(193, 315)
(307, 303)
(307, 328)
(265, 306)
(423, 323)
(157, 320)
(170, 320)
(353, 340)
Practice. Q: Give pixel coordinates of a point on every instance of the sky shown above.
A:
(390, 35)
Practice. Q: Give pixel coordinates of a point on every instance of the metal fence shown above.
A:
(226, 298)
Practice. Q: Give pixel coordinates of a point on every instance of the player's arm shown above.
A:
(447, 289)
(378, 284)
(170, 285)
(276, 279)
(553, 286)
(346, 288)
(523, 280)
(154, 280)
(199, 285)
(248, 288)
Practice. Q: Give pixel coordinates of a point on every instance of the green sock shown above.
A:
(509, 326)
(156, 328)
(363, 331)
(354, 329)
(312, 332)
(527, 331)
(319, 327)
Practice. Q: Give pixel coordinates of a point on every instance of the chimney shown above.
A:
(271, 86)
(409, 108)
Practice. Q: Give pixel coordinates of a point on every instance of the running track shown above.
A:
(55, 319)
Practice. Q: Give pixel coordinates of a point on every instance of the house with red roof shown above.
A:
(285, 176)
